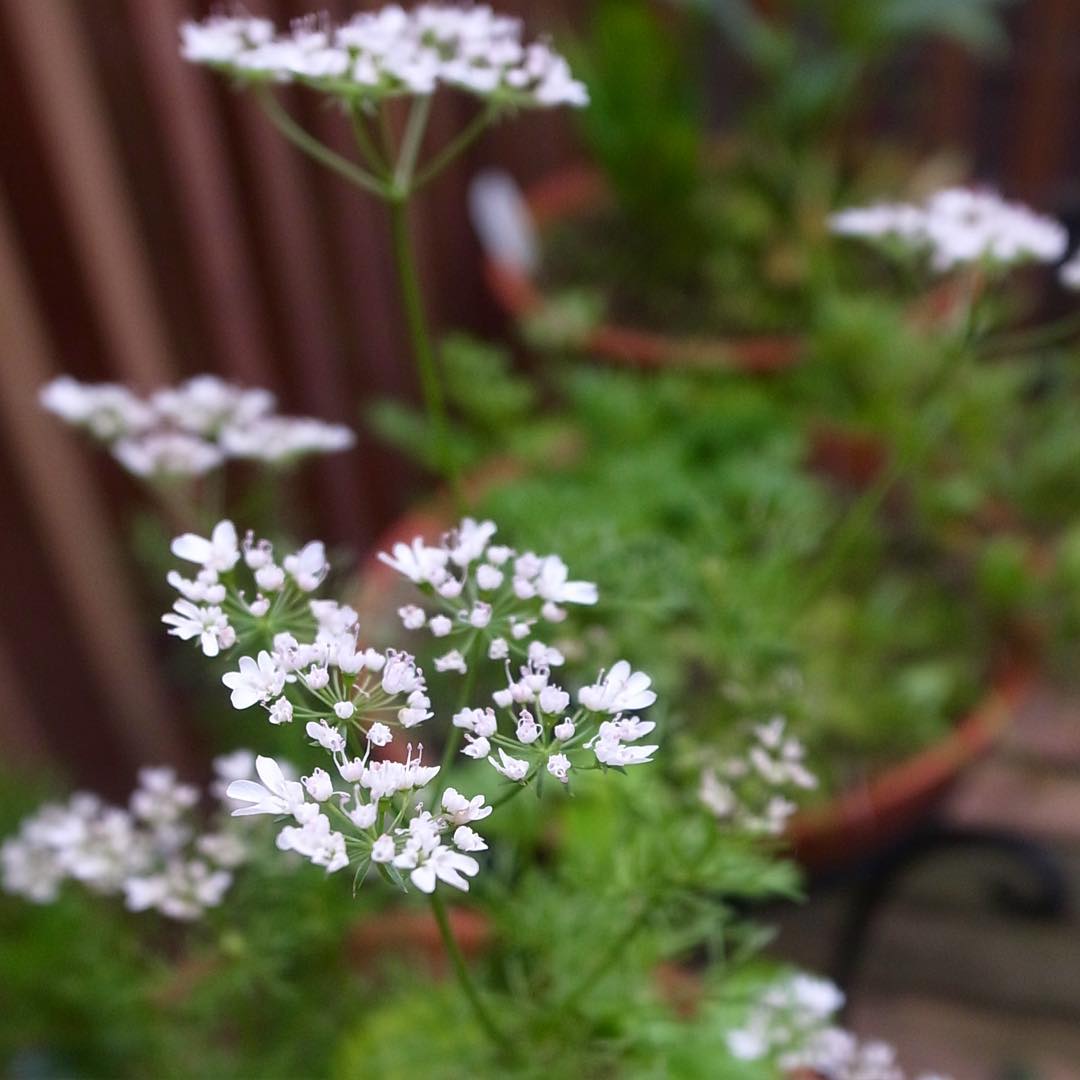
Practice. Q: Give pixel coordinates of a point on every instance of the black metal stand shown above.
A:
(1044, 893)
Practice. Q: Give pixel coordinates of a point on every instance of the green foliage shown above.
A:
(645, 126)
(814, 55)
(489, 404)
(635, 877)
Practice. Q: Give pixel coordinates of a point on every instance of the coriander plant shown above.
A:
(364, 66)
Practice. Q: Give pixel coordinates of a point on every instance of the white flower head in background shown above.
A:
(957, 227)
(192, 428)
(390, 52)
(792, 1026)
(1069, 272)
(152, 852)
(756, 791)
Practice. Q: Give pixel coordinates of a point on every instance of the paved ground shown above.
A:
(955, 982)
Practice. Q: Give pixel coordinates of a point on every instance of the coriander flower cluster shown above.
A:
(756, 790)
(192, 428)
(152, 852)
(480, 593)
(303, 662)
(391, 52)
(959, 226)
(791, 1024)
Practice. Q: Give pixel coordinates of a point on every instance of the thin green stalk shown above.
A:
(457, 146)
(379, 165)
(423, 353)
(415, 127)
(465, 980)
(316, 149)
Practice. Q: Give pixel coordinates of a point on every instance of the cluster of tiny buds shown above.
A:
(391, 52)
(151, 852)
(960, 226)
(488, 592)
(192, 428)
(752, 790)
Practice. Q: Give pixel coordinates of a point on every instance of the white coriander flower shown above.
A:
(319, 785)
(460, 810)
(383, 850)
(379, 735)
(308, 566)
(477, 747)
(418, 562)
(317, 841)
(465, 839)
(208, 624)
(281, 711)
(221, 552)
(275, 795)
(451, 661)
(554, 700)
(256, 681)
(446, 865)
(412, 617)
(329, 738)
(621, 689)
(512, 768)
(559, 767)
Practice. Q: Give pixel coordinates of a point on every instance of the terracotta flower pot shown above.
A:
(397, 934)
(880, 811)
(577, 190)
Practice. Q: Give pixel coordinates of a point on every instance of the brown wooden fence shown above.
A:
(152, 225)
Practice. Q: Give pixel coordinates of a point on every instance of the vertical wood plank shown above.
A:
(1043, 113)
(181, 97)
(299, 270)
(72, 517)
(117, 268)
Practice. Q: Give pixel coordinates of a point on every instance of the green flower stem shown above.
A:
(465, 980)
(423, 353)
(379, 165)
(457, 146)
(415, 128)
(316, 149)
